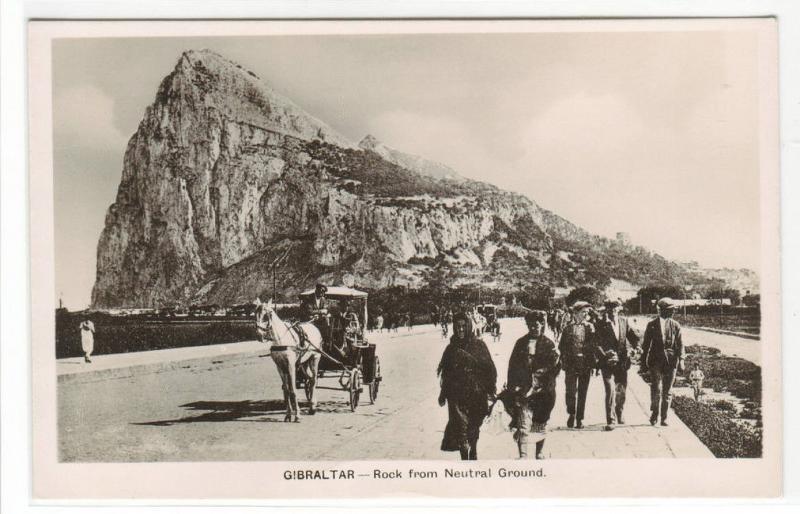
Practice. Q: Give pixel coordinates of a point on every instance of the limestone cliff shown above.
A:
(223, 175)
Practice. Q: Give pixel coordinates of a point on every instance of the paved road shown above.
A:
(230, 410)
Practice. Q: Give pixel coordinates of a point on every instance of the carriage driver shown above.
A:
(315, 309)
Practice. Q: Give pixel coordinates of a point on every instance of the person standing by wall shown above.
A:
(577, 350)
(662, 358)
(468, 381)
(87, 338)
(615, 342)
(532, 370)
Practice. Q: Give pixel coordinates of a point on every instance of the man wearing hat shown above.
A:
(315, 309)
(662, 358)
(615, 343)
(532, 370)
(577, 348)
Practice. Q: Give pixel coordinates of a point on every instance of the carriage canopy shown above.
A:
(343, 293)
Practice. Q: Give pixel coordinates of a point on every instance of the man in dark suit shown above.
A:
(315, 309)
(577, 349)
(662, 358)
(615, 343)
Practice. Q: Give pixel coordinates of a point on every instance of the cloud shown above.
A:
(83, 116)
(583, 127)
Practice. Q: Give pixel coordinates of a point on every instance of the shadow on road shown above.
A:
(220, 411)
(226, 411)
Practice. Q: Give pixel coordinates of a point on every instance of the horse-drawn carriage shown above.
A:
(346, 354)
(489, 312)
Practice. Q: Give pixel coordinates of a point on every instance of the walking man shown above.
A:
(532, 371)
(615, 343)
(577, 350)
(662, 358)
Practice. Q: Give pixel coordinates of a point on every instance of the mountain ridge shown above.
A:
(411, 162)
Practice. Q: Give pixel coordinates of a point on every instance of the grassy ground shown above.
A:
(748, 322)
(729, 429)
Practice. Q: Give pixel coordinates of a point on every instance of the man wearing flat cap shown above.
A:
(532, 370)
(615, 343)
(577, 348)
(662, 358)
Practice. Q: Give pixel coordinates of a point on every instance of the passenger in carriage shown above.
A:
(350, 324)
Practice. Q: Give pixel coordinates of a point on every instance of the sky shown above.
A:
(650, 133)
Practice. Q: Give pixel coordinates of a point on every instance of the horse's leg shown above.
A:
(312, 367)
(292, 375)
(280, 362)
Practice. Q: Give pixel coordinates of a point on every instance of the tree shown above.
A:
(718, 292)
(537, 296)
(752, 300)
(648, 295)
(587, 294)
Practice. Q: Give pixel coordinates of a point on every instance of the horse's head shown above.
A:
(265, 313)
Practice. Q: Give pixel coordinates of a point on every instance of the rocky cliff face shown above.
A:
(223, 176)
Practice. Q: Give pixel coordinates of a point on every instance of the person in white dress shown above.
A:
(87, 339)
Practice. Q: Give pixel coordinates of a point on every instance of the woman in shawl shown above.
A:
(532, 371)
(468, 382)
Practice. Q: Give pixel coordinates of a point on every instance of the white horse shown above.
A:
(478, 321)
(292, 354)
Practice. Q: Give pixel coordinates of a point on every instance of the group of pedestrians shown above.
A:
(589, 344)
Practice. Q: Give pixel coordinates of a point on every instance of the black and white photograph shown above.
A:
(484, 248)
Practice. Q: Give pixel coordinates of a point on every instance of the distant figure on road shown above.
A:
(379, 323)
(696, 377)
(87, 339)
(468, 382)
(662, 358)
(615, 342)
(532, 371)
(577, 348)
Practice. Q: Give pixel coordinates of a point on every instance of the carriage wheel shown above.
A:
(355, 388)
(376, 381)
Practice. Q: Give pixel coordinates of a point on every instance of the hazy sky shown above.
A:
(654, 134)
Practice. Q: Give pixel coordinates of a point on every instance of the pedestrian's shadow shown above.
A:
(599, 427)
(226, 411)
